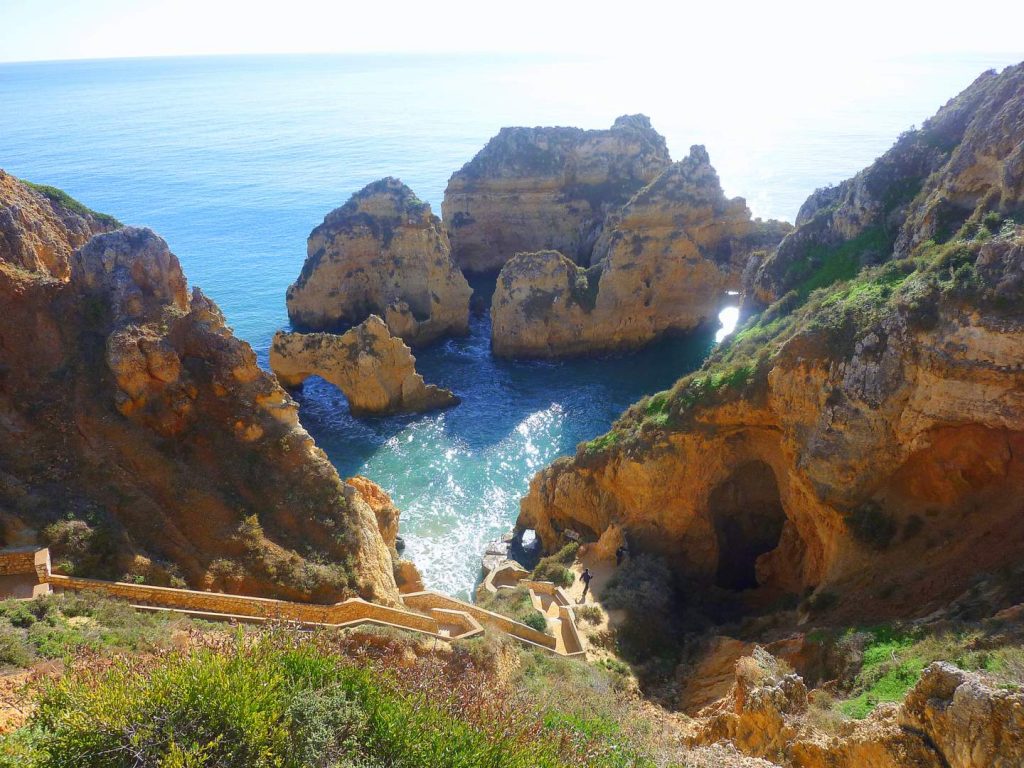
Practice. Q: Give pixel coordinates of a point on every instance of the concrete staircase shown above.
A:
(26, 572)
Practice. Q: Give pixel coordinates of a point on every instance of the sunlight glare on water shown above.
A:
(728, 317)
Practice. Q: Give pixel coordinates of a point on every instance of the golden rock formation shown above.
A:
(381, 253)
(534, 189)
(857, 439)
(375, 370)
(949, 718)
(662, 264)
(141, 440)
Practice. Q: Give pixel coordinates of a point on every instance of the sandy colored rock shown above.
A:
(663, 264)
(38, 233)
(381, 253)
(865, 441)
(407, 575)
(971, 723)
(908, 424)
(375, 370)
(949, 718)
(969, 156)
(139, 437)
(534, 189)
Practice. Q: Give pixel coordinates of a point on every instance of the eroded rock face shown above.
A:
(949, 718)
(874, 431)
(971, 723)
(407, 576)
(381, 253)
(140, 438)
(534, 189)
(907, 425)
(662, 264)
(38, 233)
(375, 370)
(970, 155)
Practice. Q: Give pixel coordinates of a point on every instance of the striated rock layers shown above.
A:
(140, 439)
(866, 438)
(375, 370)
(41, 226)
(382, 253)
(662, 264)
(533, 189)
(950, 719)
(968, 156)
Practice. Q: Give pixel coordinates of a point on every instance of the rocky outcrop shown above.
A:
(967, 158)
(662, 264)
(382, 253)
(41, 226)
(140, 439)
(949, 719)
(859, 440)
(407, 575)
(968, 721)
(534, 189)
(375, 370)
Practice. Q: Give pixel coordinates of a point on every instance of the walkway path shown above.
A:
(25, 572)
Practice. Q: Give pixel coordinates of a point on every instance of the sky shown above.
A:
(710, 34)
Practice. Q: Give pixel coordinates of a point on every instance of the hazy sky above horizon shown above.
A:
(730, 35)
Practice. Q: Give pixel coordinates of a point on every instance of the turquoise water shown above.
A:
(234, 161)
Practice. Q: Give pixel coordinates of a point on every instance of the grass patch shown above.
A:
(57, 627)
(893, 657)
(822, 265)
(602, 443)
(65, 200)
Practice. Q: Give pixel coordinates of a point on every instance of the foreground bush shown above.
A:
(285, 704)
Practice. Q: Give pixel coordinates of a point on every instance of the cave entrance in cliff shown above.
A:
(748, 518)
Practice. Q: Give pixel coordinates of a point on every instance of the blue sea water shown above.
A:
(233, 160)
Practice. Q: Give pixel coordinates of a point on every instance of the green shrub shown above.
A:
(589, 613)
(553, 567)
(62, 198)
(517, 605)
(536, 621)
(13, 649)
(273, 703)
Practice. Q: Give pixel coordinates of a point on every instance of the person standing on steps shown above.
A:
(585, 577)
(620, 555)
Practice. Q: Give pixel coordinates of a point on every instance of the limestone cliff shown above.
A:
(863, 437)
(41, 226)
(966, 158)
(533, 189)
(140, 439)
(382, 253)
(375, 370)
(662, 264)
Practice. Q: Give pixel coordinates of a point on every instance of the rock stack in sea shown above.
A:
(663, 263)
(381, 253)
(533, 189)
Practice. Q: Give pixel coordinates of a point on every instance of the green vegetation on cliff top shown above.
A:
(62, 198)
(834, 305)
